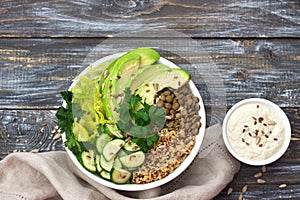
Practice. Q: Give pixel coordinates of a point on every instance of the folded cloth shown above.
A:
(52, 175)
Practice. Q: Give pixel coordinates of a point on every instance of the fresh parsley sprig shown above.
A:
(65, 122)
(140, 120)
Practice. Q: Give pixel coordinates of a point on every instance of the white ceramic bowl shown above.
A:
(235, 117)
(178, 171)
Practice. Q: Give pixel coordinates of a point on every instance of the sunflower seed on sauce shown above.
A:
(272, 123)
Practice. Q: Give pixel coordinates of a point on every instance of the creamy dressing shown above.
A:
(255, 131)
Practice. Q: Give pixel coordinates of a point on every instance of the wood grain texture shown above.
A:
(34, 71)
(28, 130)
(105, 18)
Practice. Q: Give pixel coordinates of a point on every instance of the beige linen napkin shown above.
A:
(51, 175)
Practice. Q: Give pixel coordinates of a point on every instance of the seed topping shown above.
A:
(260, 181)
(282, 185)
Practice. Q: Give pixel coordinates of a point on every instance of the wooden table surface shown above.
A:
(255, 45)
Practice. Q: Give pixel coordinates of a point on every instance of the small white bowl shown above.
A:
(247, 140)
(178, 171)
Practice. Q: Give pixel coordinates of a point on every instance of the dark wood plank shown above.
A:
(20, 130)
(34, 71)
(28, 130)
(227, 18)
(277, 173)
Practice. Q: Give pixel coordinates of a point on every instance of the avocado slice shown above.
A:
(104, 75)
(145, 73)
(173, 78)
(148, 55)
(128, 62)
(116, 76)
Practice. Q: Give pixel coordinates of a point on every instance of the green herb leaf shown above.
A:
(142, 117)
(134, 100)
(143, 123)
(149, 143)
(154, 138)
(147, 116)
(67, 96)
(65, 122)
(146, 143)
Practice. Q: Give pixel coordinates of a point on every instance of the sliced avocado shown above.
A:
(114, 78)
(148, 56)
(173, 78)
(104, 74)
(125, 63)
(145, 73)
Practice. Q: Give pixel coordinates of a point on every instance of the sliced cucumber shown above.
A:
(117, 163)
(98, 166)
(132, 169)
(131, 147)
(88, 161)
(120, 176)
(133, 160)
(105, 175)
(106, 165)
(122, 153)
(114, 130)
(111, 149)
(101, 141)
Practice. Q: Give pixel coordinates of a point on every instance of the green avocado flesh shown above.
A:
(125, 64)
(172, 77)
(113, 80)
(148, 56)
(145, 73)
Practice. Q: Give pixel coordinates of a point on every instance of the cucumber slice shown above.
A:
(132, 169)
(111, 149)
(131, 147)
(88, 161)
(106, 165)
(133, 160)
(120, 176)
(114, 130)
(117, 163)
(101, 141)
(105, 175)
(98, 166)
(122, 153)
